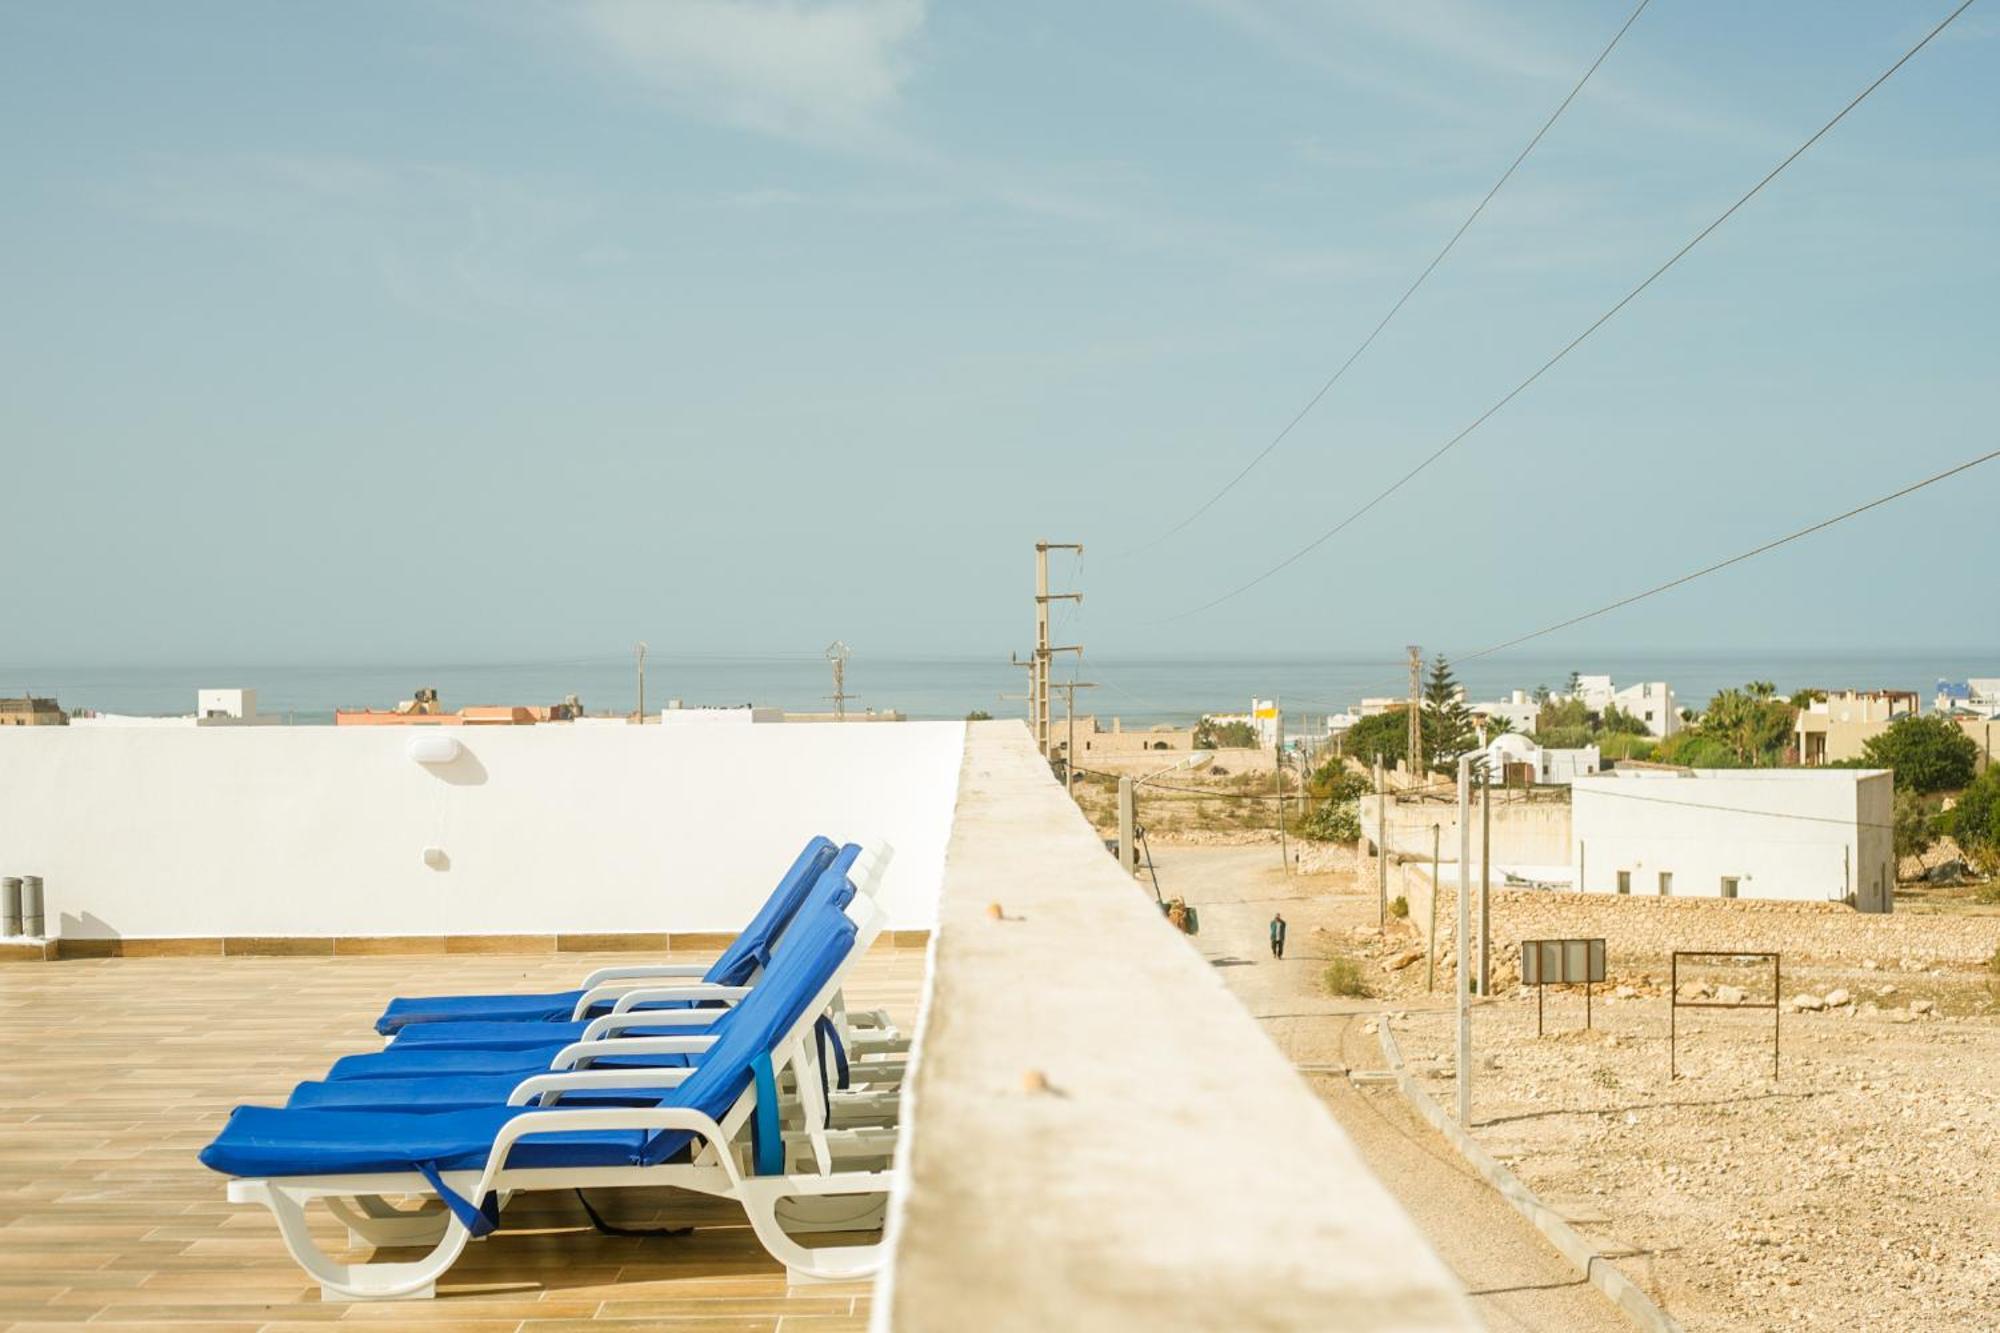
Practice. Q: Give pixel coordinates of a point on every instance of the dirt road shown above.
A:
(1516, 1280)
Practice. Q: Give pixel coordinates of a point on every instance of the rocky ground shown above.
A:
(1859, 1189)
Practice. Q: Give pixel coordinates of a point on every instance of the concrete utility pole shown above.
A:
(837, 654)
(1460, 973)
(1416, 741)
(640, 653)
(1069, 689)
(1044, 650)
(1128, 852)
(1278, 779)
(1381, 848)
(1485, 881)
(1431, 954)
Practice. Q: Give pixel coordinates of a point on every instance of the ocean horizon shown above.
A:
(1142, 690)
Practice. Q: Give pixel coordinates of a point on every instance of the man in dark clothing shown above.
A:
(1278, 935)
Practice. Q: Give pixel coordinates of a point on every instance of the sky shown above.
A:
(481, 331)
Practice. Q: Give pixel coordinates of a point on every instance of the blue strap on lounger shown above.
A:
(767, 1144)
(481, 1219)
(824, 1031)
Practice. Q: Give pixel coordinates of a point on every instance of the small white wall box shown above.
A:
(434, 749)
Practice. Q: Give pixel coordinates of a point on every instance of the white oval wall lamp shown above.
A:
(434, 749)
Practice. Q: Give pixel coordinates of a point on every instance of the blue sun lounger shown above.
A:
(434, 1077)
(713, 1128)
(734, 967)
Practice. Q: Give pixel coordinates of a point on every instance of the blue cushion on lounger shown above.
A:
(453, 1093)
(736, 965)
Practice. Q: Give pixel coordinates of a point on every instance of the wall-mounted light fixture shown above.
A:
(434, 749)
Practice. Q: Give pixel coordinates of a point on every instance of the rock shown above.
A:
(1869, 964)
(1923, 1006)
(1805, 1003)
(1947, 872)
(1868, 1009)
(1730, 994)
(1885, 990)
(1696, 990)
(1837, 997)
(1402, 960)
(1900, 1016)
(1626, 993)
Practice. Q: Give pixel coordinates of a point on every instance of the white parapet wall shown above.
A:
(548, 830)
(1098, 1135)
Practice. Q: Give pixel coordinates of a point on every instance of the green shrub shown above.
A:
(1399, 906)
(1336, 821)
(1343, 977)
(1928, 753)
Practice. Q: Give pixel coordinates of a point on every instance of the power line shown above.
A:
(1408, 292)
(1738, 559)
(1593, 327)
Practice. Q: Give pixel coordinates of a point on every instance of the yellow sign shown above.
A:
(1265, 714)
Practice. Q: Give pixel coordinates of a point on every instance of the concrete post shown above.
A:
(1461, 974)
(1128, 851)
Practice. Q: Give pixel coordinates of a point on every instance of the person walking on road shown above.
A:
(1278, 935)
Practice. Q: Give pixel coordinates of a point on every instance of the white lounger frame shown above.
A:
(835, 1179)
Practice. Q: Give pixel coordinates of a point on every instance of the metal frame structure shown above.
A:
(1675, 1003)
(1593, 970)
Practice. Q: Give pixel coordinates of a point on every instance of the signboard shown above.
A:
(1561, 962)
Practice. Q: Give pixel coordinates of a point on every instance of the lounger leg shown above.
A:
(414, 1280)
(373, 1221)
(768, 1198)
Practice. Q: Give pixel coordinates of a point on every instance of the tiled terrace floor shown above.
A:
(114, 1073)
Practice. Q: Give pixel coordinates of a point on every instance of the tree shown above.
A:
(979, 715)
(1565, 714)
(1619, 722)
(1575, 685)
(1447, 725)
(1975, 820)
(1928, 753)
(1541, 695)
(1212, 735)
(1751, 723)
(1912, 825)
(1385, 736)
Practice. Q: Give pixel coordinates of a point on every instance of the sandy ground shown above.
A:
(1516, 1280)
(1859, 1190)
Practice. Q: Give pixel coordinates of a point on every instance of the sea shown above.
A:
(1140, 690)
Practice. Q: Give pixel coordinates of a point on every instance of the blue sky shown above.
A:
(466, 330)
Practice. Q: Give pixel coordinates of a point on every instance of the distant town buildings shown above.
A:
(1516, 761)
(424, 709)
(1652, 702)
(28, 711)
(1818, 835)
(1517, 712)
(1978, 697)
(212, 708)
(1836, 728)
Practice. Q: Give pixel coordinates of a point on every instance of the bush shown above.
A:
(1210, 735)
(1399, 906)
(1620, 745)
(1913, 825)
(1335, 781)
(1928, 753)
(1975, 820)
(1336, 821)
(1343, 977)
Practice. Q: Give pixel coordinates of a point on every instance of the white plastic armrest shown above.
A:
(700, 991)
(609, 1025)
(583, 1080)
(640, 971)
(569, 1056)
(558, 1121)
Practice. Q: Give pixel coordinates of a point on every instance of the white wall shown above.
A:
(548, 829)
(1805, 834)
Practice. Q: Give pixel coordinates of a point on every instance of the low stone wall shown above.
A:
(1643, 929)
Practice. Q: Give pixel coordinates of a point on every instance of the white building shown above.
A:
(1808, 835)
(1977, 697)
(212, 708)
(1262, 719)
(1548, 766)
(1652, 702)
(1517, 712)
(677, 714)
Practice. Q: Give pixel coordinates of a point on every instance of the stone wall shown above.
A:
(1643, 930)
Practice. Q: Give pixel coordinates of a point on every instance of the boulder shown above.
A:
(1837, 997)
(1923, 1006)
(1730, 995)
(1626, 993)
(1402, 960)
(1697, 990)
(1808, 1003)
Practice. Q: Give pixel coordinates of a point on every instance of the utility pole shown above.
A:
(1485, 881)
(837, 653)
(1416, 741)
(1278, 778)
(1069, 689)
(1431, 954)
(1381, 849)
(1128, 851)
(1459, 973)
(1038, 689)
(640, 653)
